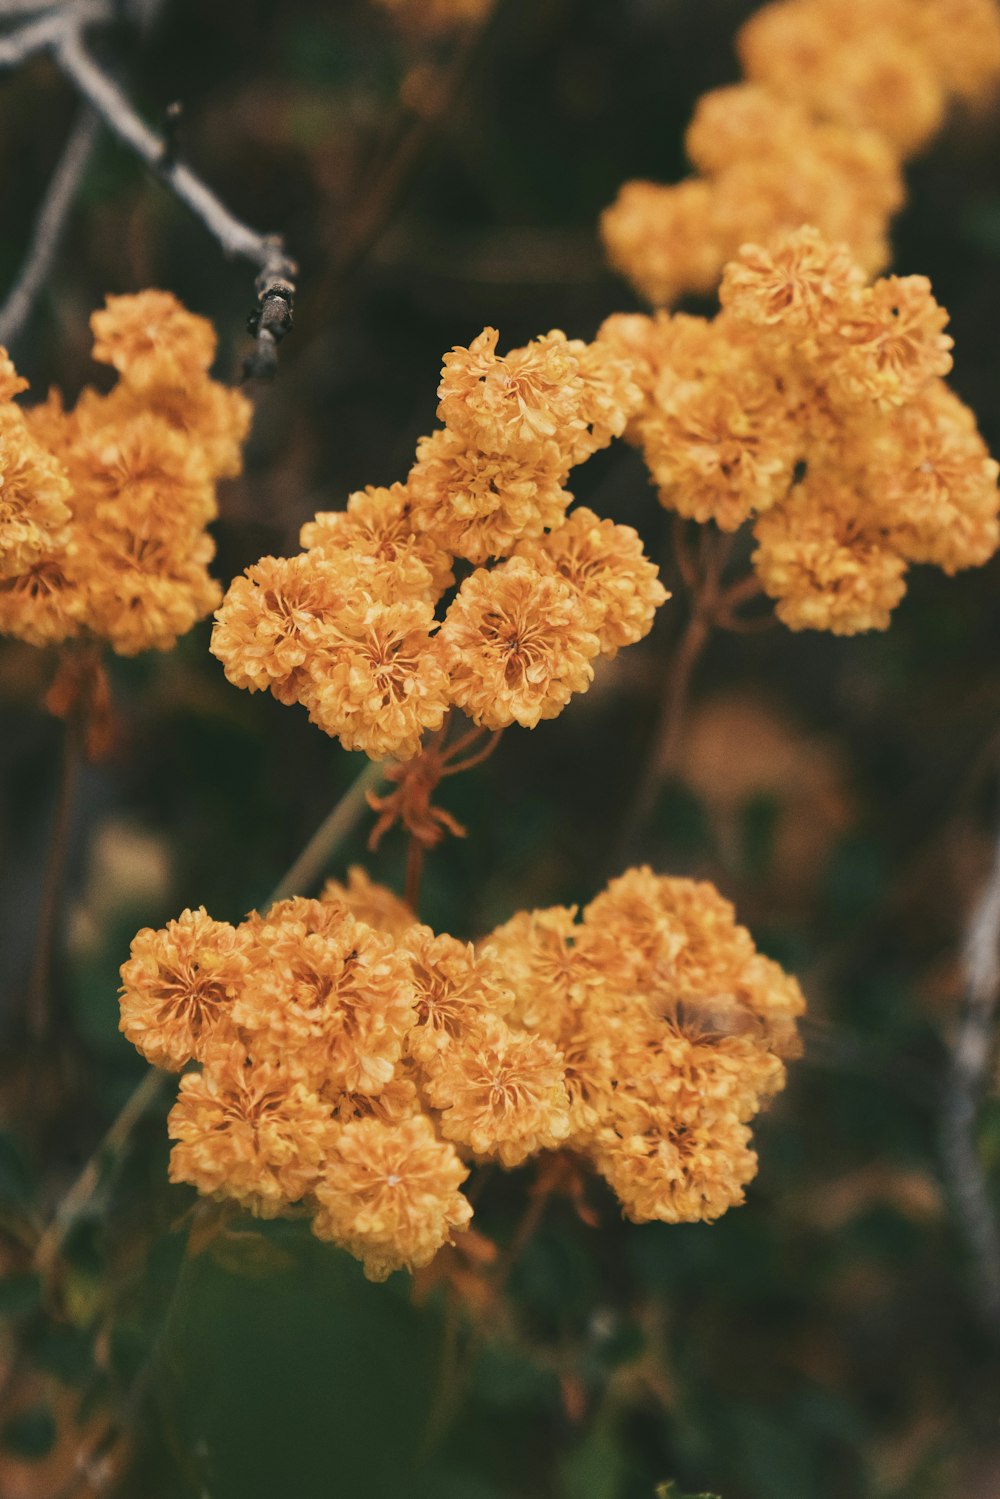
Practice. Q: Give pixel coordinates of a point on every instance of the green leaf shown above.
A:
(307, 1380)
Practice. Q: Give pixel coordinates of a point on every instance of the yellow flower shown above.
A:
(378, 685)
(814, 558)
(40, 605)
(480, 504)
(374, 904)
(937, 483)
(34, 500)
(516, 645)
(501, 1093)
(666, 240)
(891, 343)
(150, 339)
(604, 564)
(275, 618)
(455, 991)
(555, 401)
(246, 1130)
(389, 1194)
(797, 281)
(329, 996)
(380, 524)
(179, 986)
(677, 1171)
(849, 62)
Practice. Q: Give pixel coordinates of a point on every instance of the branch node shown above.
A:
(172, 118)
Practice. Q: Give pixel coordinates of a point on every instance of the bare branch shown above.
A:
(971, 1067)
(49, 226)
(61, 35)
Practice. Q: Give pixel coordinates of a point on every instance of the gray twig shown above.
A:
(60, 34)
(972, 1060)
(50, 225)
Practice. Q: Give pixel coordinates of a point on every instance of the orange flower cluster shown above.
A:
(838, 94)
(354, 1062)
(349, 626)
(815, 404)
(103, 508)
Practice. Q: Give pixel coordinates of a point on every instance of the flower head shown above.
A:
(516, 645)
(248, 1131)
(179, 986)
(390, 1194)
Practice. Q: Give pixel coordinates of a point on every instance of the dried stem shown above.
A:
(317, 853)
(414, 872)
(668, 733)
(387, 180)
(50, 226)
(972, 1061)
(40, 1008)
(712, 607)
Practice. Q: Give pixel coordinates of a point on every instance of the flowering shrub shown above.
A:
(534, 1089)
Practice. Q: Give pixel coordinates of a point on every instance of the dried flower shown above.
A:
(501, 1093)
(616, 584)
(248, 1131)
(516, 645)
(390, 1194)
(179, 985)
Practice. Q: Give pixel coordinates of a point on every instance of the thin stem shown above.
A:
(86, 1184)
(387, 183)
(526, 1229)
(972, 1060)
(50, 226)
(475, 759)
(670, 725)
(114, 108)
(414, 873)
(317, 853)
(40, 1007)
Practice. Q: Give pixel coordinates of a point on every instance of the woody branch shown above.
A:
(60, 35)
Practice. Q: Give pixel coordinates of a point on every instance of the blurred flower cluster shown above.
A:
(356, 1063)
(838, 94)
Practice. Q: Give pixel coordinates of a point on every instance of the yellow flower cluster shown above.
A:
(815, 404)
(838, 94)
(103, 508)
(349, 628)
(354, 1062)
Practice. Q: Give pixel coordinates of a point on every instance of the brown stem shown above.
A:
(40, 1008)
(670, 724)
(474, 759)
(526, 1229)
(414, 872)
(390, 178)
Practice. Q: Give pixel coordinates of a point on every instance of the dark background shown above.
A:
(826, 1341)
